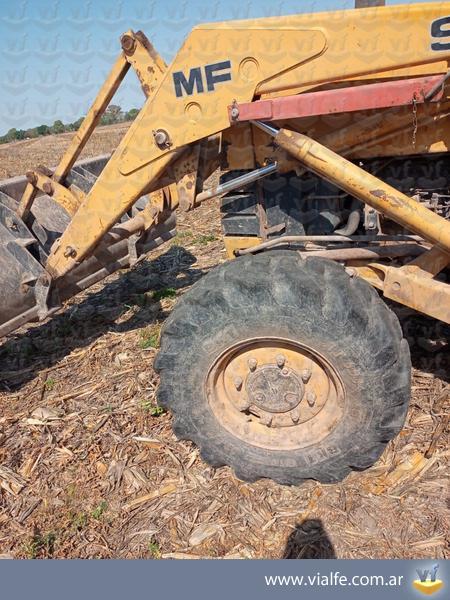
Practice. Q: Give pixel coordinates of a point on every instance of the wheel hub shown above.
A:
(275, 393)
(273, 389)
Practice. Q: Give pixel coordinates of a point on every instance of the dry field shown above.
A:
(89, 466)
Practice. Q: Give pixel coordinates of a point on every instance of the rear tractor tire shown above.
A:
(284, 368)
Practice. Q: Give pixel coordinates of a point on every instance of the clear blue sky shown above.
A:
(54, 54)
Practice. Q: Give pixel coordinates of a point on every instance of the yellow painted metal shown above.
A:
(410, 70)
(410, 287)
(26, 202)
(110, 197)
(237, 242)
(429, 264)
(266, 56)
(62, 195)
(77, 192)
(361, 43)
(369, 189)
(185, 171)
(192, 117)
(323, 48)
(392, 132)
(421, 293)
(368, 272)
(146, 62)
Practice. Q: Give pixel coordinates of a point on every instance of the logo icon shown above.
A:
(427, 582)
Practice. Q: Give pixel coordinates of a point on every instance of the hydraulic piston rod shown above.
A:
(237, 182)
(409, 213)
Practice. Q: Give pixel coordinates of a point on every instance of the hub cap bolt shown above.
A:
(280, 360)
(252, 362)
(238, 383)
(311, 398)
(306, 375)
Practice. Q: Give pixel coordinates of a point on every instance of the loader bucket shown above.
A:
(25, 292)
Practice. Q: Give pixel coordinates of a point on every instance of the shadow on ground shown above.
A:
(428, 341)
(309, 540)
(126, 303)
(122, 305)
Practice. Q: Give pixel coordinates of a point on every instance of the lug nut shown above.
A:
(311, 398)
(285, 371)
(306, 375)
(266, 419)
(252, 362)
(295, 414)
(281, 360)
(238, 383)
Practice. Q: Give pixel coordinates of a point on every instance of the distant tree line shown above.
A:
(113, 114)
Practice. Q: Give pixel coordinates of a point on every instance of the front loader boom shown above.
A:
(363, 84)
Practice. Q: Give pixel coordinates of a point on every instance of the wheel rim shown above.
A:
(275, 393)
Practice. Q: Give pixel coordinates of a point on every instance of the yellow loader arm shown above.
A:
(222, 62)
(366, 84)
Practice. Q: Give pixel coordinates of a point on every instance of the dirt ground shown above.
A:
(89, 466)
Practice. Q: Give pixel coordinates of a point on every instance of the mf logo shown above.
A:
(196, 80)
(428, 582)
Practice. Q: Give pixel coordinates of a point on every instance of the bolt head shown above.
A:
(252, 363)
(128, 44)
(238, 383)
(70, 252)
(281, 360)
(47, 188)
(234, 112)
(311, 398)
(162, 139)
